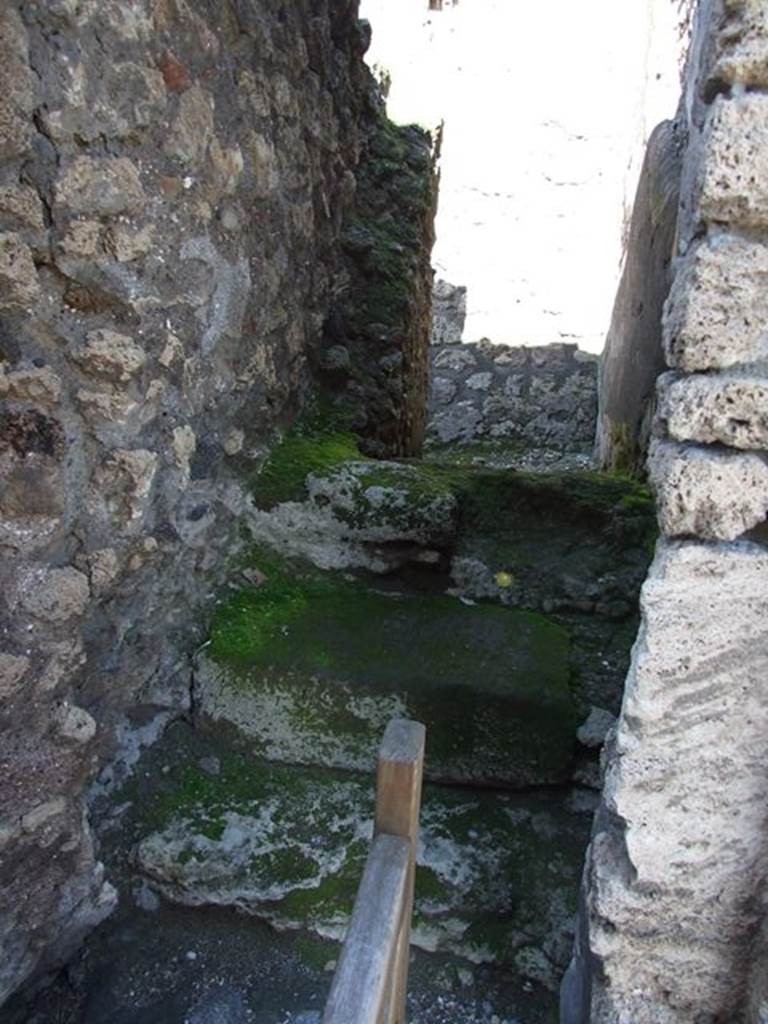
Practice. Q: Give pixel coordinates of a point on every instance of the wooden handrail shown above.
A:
(370, 983)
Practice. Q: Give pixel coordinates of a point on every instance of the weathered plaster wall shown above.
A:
(173, 179)
(675, 882)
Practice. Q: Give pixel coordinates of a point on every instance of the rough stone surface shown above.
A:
(107, 354)
(173, 179)
(729, 409)
(18, 276)
(741, 44)
(545, 396)
(717, 308)
(383, 313)
(677, 874)
(105, 187)
(449, 311)
(708, 493)
(734, 168)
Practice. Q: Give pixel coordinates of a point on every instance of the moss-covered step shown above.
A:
(497, 874)
(312, 666)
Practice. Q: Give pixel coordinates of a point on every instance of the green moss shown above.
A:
(338, 658)
(253, 619)
(284, 474)
(315, 953)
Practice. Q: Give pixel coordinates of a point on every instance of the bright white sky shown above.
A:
(547, 107)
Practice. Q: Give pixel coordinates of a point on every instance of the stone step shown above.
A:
(311, 666)
(497, 873)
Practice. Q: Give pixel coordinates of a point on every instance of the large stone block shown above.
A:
(677, 876)
(733, 179)
(100, 186)
(717, 310)
(17, 87)
(52, 595)
(311, 669)
(19, 285)
(742, 44)
(707, 493)
(108, 354)
(724, 408)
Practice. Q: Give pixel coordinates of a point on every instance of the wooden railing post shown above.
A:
(370, 982)
(398, 800)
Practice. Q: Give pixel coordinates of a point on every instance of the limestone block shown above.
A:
(443, 390)
(65, 659)
(449, 312)
(677, 870)
(54, 595)
(83, 239)
(74, 723)
(192, 127)
(511, 357)
(21, 208)
(225, 167)
(460, 421)
(108, 354)
(13, 668)
(39, 385)
(19, 284)
(263, 162)
(733, 183)
(707, 493)
(742, 44)
(103, 568)
(479, 381)
(173, 351)
(183, 446)
(716, 314)
(456, 359)
(102, 186)
(594, 729)
(124, 483)
(727, 408)
(98, 407)
(233, 442)
(17, 86)
(132, 97)
(126, 243)
(43, 814)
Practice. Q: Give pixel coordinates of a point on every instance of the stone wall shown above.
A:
(675, 887)
(543, 396)
(376, 338)
(633, 356)
(173, 179)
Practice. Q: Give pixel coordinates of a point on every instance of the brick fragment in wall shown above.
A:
(707, 493)
(726, 408)
(716, 315)
(742, 44)
(676, 870)
(733, 176)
